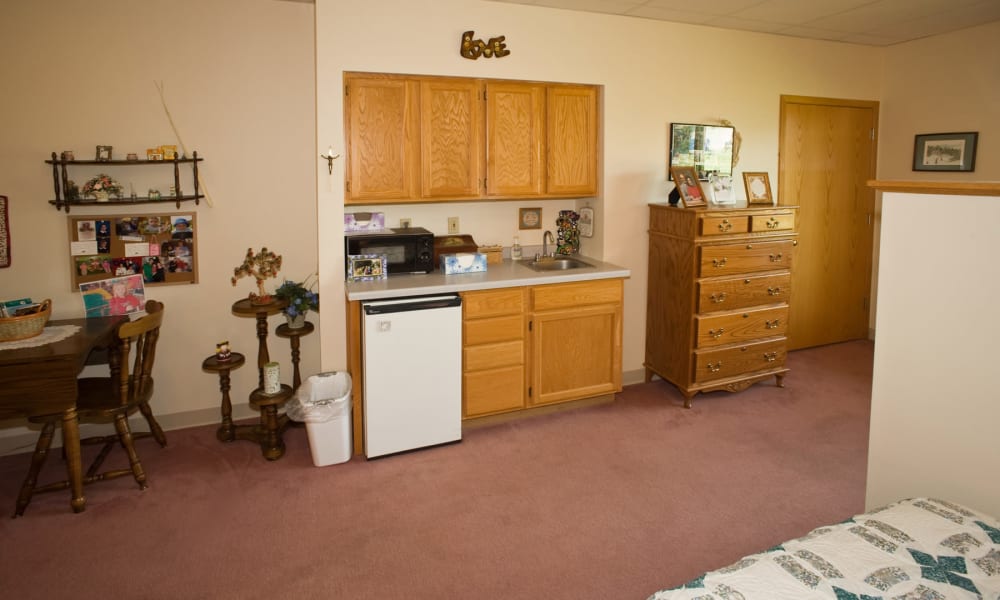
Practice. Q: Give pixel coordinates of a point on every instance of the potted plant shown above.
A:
(301, 299)
(262, 265)
(102, 187)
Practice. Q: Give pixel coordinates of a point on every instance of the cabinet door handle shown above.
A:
(714, 368)
(718, 264)
(725, 225)
(773, 291)
(770, 356)
(772, 324)
(775, 257)
(716, 334)
(718, 299)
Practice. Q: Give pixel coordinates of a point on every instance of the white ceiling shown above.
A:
(869, 22)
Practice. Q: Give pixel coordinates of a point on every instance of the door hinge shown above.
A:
(348, 184)
(485, 179)
(530, 323)
(529, 391)
(347, 90)
(872, 134)
(864, 302)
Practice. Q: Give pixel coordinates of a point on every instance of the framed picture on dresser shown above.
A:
(758, 187)
(687, 184)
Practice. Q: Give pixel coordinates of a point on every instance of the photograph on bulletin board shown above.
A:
(113, 296)
(161, 248)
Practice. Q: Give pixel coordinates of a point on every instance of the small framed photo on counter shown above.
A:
(366, 267)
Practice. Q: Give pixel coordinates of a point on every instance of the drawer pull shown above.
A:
(770, 356)
(725, 225)
(716, 334)
(773, 223)
(714, 368)
(773, 291)
(749, 246)
(772, 324)
(775, 257)
(718, 264)
(746, 281)
(718, 299)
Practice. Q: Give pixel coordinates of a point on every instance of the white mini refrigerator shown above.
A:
(412, 373)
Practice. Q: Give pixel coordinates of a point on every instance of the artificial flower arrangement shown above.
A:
(102, 183)
(300, 297)
(261, 266)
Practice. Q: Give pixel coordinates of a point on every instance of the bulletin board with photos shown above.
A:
(161, 247)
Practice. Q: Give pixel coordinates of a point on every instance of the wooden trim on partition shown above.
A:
(961, 188)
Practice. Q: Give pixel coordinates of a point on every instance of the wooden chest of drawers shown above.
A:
(718, 290)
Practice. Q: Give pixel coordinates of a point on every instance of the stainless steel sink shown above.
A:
(558, 263)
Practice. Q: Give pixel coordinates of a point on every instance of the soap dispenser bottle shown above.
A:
(515, 250)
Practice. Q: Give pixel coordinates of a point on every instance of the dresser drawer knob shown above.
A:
(716, 334)
(770, 356)
(772, 324)
(718, 298)
(714, 368)
(725, 225)
(773, 223)
(719, 263)
(749, 246)
(746, 281)
(775, 257)
(773, 291)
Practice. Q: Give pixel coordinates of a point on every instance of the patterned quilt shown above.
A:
(915, 549)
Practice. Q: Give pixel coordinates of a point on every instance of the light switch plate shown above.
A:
(452, 224)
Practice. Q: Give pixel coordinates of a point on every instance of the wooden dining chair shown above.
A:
(128, 389)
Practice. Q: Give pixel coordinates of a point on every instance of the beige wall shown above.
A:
(653, 73)
(934, 399)
(238, 76)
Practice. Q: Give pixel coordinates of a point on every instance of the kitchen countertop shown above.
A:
(508, 273)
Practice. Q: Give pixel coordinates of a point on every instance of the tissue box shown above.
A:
(452, 264)
(364, 221)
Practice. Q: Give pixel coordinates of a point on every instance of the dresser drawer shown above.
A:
(741, 292)
(779, 222)
(494, 391)
(739, 360)
(741, 326)
(492, 303)
(488, 356)
(723, 225)
(498, 329)
(746, 257)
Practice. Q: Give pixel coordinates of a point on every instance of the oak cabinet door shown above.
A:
(515, 138)
(451, 133)
(383, 153)
(572, 129)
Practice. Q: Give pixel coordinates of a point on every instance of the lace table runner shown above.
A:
(47, 336)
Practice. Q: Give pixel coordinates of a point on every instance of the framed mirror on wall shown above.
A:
(706, 148)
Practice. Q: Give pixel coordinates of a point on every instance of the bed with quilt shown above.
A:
(919, 549)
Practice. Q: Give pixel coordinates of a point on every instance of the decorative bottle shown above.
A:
(515, 250)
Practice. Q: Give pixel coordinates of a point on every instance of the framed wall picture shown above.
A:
(758, 186)
(707, 148)
(104, 153)
(529, 218)
(945, 151)
(366, 267)
(688, 186)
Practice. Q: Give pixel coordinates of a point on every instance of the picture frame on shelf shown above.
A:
(529, 218)
(367, 267)
(104, 153)
(688, 186)
(721, 187)
(758, 188)
(945, 151)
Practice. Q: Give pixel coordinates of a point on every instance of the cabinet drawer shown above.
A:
(723, 225)
(780, 222)
(742, 326)
(488, 331)
(565, 295)
(493, 303)
(731, 362)
(741, 292)
(504, 354)
(745, 258)
(493, 391)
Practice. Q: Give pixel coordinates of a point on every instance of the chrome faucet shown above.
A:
(547, 237)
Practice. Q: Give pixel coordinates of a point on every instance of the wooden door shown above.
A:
(515, 138)
(571, 137)
(451, 134)
(826, 156)
(383, 153)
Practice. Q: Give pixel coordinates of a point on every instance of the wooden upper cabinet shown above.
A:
(571, 119)
(382, 127)
(451, 133)
(515, 139)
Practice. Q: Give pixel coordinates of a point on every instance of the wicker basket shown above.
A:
(24, 327)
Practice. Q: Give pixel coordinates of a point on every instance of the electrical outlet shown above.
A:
(452, 224)
(404, 222)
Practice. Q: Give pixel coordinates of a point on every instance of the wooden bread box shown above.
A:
(452, 244)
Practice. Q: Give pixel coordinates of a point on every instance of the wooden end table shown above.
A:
(226, 431)
(269, 433)
(293, 334)
(245, 308)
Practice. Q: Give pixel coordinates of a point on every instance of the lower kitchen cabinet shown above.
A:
(538, 345)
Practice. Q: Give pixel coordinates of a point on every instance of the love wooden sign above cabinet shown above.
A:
(473, 49)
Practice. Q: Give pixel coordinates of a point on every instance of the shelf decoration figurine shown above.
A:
(222, 351)
(261, 266)
(101, 187)
(301, 299)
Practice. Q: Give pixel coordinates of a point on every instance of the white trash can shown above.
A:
(323, 403)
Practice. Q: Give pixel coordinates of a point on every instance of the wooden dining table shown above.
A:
(42, 380)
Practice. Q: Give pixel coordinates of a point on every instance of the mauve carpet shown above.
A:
(609, 501)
